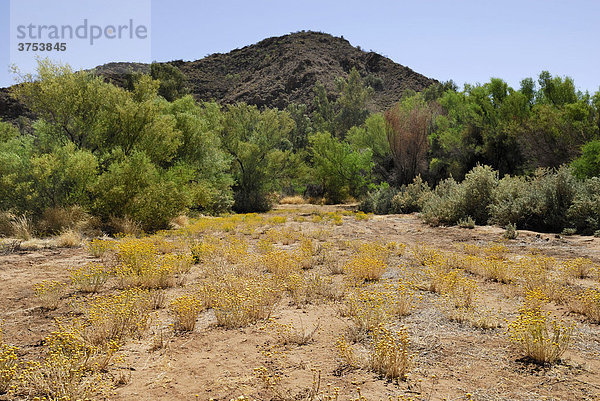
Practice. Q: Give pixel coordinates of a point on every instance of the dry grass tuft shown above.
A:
(68, 239)
(292, 200)
(180, 222)
(125, 226)
(22, 227)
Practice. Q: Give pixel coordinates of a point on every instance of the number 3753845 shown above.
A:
(41, 47)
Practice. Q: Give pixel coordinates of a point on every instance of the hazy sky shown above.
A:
(467, 41)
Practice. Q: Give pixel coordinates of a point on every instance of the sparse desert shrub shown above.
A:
(389, 354)
(539, 337)
(139, 264)
(510, 231)
(240, 301)
(580, 268)
(466, 222)
(588, 304)
(294, 334)
(371, 308)
(49, 293)
(97, 247)
(157, 299)
(306, 253)
(70, 369)
(459, 290)
(280, 263)
(180, 221)
(364, 268)
(497, 270)
(158, 273)
(69, 239)
(118, 316)
(89, 278)
(481, 318)
(186, 309)
(292, 200)
(8, 365)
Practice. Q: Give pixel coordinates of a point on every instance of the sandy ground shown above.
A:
(452, 361)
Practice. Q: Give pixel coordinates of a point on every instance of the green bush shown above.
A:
(538, 203)
(555, 192)
(380, 200)
(134, 188)
(444, 205)
(513, 202)
(584, 212)
(411, 197)
(451, 202)
(476, 192)
(255, 141)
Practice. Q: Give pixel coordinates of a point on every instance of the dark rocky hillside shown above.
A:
(275, 72)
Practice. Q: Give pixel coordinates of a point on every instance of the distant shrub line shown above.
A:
(551, 200)
(132, 158)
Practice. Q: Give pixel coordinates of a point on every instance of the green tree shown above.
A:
(342, 170)
(349, 108)
(97, 116)
(254, 141)
(172, 80)
(200, 158)
(588, 164)
(352, 103)
(372, 135)
(303, 126)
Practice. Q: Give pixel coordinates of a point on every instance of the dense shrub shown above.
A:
(134, 188)
(554, 192)
(476, 192)
(444, 205)
(588, 164)
(121, 155)
(451, 202)
(512, 202)
(380, 201)
(411, 197)
(584, 212)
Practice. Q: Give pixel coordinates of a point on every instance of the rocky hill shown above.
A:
(275, 72)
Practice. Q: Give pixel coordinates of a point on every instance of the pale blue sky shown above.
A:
(468, 41)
